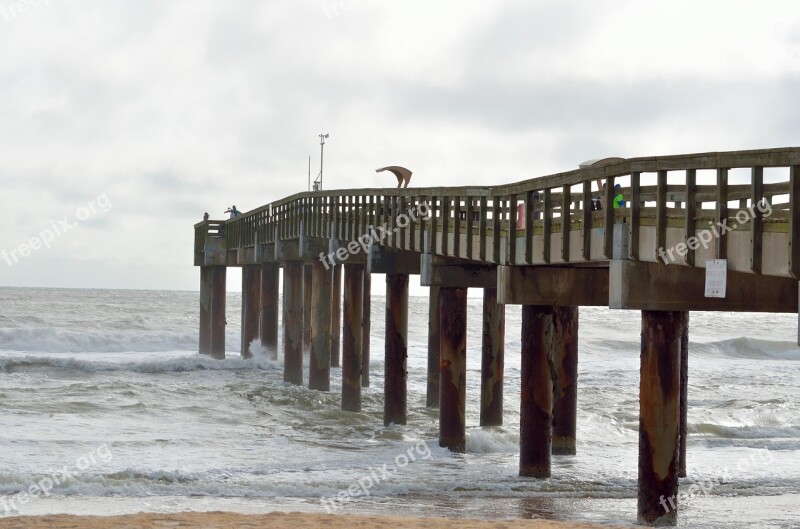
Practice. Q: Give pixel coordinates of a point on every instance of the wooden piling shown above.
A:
(351, 337)
(492, 359)
(453, 367)
(536, 407)
(394, 408)
(365, 329)
(308, 289)
(659, 416)
(565, 397)
(218, 322)
(269, 308)
(293, 322)
(251, 303)
(432, 400)
(336, 316)
(684, 405)
(319, 366)
(204, 344)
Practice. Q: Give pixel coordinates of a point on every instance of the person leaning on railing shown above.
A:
(618, 200)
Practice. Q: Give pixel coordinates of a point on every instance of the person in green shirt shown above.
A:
(619, 200)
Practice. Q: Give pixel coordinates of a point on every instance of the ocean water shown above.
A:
(105, 404)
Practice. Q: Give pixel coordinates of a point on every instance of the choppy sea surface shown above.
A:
(105, 403)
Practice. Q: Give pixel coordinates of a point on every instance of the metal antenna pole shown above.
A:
(321, 156)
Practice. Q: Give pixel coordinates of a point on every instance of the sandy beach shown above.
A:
(223, 520)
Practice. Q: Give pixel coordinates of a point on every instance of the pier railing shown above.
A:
(550, 220)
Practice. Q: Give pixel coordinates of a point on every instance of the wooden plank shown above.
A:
(756, 224)
(794, 228)
(496, 230)
(552, 285)
(586, 220)
(445, 225)
(566, 217)
(483, 220)
(691, 212)
(470, 224)
(721, 245)
(530, 204)
(636, 214)
(637, 285)
(547, 224)
(511, 257)
(457, 226)
(433, 224)
(661, 214)
(608, 222)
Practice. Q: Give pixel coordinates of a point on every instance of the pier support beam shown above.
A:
(293, 322)
(269, 308)
(453, 368)
(394, 408)
(659, 416)
(205, 310)
(218, 322)
(365, 329)
(351, 337)
(492, 361)
(308, 288)
(251, 303)
(432, 400)
(536, 407)
(319, 366)
(336, 316)
(565, 361)
(684, 435)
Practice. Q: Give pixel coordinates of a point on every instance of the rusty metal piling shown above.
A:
(269, 308)
(293, 322)
(394, 408)
(336, 316)
(536, 407)
(251, 303)
(204, 344)
(492, 359)
(218, 322)
(319, 365)
(308, 288)
(453, 368)
(351, 337)
(565, 361)
(432, 397)
(659, 416)
(365, 329)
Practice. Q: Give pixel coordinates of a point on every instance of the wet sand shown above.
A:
(223, 520)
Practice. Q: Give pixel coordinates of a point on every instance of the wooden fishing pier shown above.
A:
(536, 243)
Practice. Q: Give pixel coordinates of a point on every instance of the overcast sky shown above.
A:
(130, 118)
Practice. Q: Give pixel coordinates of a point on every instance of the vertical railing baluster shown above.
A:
(511, 256)
(586, 219)
(566, 224)
(661, 213)
(608, 224)
(756, 224)
(547, 224)
(691, 213)
(721, 246)
(636, 214)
